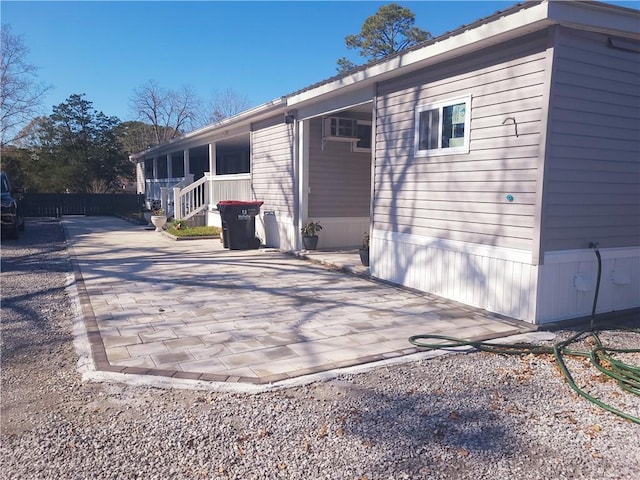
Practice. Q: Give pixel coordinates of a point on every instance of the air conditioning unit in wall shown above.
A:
(344, 129)
(340, 127)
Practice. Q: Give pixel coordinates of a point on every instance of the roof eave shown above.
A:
(494, 30)
(248, 116)
(515, 22)
(596, 16)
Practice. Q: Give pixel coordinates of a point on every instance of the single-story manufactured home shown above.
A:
(488, 165)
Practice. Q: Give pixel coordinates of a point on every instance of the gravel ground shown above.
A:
(474, 415)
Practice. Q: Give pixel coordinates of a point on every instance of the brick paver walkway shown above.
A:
(194, 310)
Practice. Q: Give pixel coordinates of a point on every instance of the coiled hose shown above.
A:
(627, 376)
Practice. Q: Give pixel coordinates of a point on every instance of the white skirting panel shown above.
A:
(213, 218)
(338, 232)
(276, 231)
(500, 280)
(567, 283)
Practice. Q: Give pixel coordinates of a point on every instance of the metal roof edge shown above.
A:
(522, 17)
(399, 59)
(596, 16)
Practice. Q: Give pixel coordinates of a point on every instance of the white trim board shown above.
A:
(585, 255)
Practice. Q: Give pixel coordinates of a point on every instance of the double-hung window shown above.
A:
(443, 128)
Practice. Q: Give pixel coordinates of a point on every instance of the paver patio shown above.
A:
(192, 309)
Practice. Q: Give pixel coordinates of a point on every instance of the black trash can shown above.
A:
(239, 224)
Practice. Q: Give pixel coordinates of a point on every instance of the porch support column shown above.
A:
(301, 175)
(212, 158)
(212, 173)
(155, 167)
(186, 162)
(140, 180)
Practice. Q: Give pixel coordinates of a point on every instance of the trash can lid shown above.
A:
(239, 202)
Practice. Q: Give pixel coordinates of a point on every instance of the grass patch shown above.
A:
(180, 229)
(135, 217)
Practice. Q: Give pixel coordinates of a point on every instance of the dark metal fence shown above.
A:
(93, 204)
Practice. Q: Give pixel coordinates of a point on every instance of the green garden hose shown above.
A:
(627, 376)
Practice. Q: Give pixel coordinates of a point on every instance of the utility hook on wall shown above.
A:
(515, 124)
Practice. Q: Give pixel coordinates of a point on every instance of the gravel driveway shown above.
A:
(475, 415)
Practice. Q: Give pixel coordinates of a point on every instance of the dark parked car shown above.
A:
(12, 216)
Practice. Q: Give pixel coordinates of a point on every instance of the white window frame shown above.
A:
(355, 147)
(464, 148)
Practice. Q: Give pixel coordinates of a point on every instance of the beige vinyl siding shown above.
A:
(592, 179)
(339, 179)
(463, 197)
(272, 166)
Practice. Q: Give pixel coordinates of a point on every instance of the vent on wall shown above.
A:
(627, 44)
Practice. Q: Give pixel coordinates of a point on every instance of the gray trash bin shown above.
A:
(239, 224)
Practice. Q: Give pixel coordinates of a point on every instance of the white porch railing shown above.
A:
(209, 190)
(191, 199)
(230, 187)
(153, 186)
(167, 200)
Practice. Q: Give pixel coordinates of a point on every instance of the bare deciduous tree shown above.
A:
(98, 185)
(225, 104)
(20, 94)
(170, 112)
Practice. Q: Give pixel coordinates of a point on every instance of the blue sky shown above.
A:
(261, 50)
